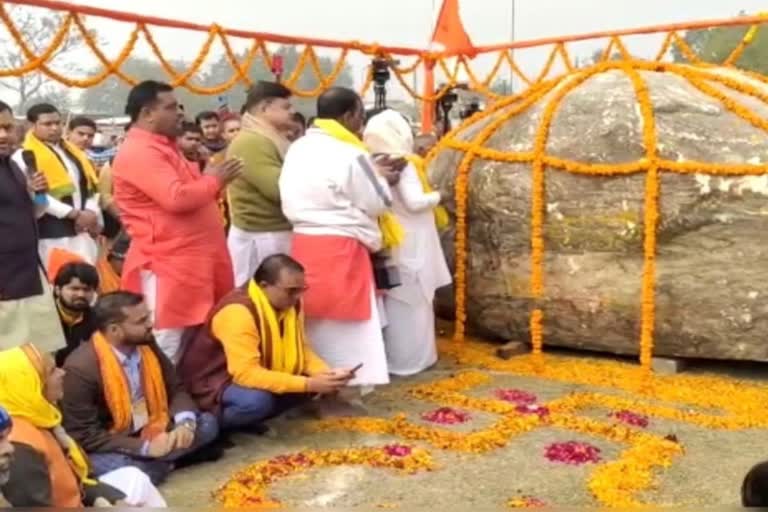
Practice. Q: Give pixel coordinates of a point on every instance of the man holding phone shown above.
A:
(252, 360)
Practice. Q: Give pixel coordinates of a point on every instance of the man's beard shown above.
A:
(80, 306)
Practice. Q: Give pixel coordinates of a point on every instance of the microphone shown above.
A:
(41, 198)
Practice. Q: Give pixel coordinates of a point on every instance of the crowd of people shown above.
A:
(201, 277)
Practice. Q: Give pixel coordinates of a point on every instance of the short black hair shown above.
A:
(85, 272)
(144, 95)
(206, 115)
(337, 101)
(4, 107)
(269, 270)
(35, 111)
(299, 118)
(265, 91)
(119, 246)
(109, 308)
(79, 121)
(190, 127)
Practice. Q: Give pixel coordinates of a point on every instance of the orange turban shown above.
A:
(59, 258)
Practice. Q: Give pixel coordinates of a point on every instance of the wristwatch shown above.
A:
(190, 424)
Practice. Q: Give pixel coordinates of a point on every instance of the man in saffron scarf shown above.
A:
(49, 467)
(337, 199)
(122, 401)
(178, 257)
(252, 360)
(259, 227)
(72, 217)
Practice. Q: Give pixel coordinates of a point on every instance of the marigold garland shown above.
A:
(652, 164)
(248, 487)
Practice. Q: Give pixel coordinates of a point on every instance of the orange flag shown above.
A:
(450, 32)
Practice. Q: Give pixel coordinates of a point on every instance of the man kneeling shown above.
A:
(251, 360)
(122, 401)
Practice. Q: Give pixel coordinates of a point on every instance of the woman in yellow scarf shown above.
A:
(50, 469)
(410, 333)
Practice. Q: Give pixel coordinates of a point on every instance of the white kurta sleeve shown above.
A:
(366, 189)
(412, 192)
(54, 207)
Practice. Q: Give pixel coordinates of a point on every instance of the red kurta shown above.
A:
(171, 213)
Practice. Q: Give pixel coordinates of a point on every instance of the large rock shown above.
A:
(712, 278)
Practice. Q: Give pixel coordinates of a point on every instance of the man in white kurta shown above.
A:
(410, 333)
(71, 220)
(332, 194)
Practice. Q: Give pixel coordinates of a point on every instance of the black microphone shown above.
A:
(30, 162)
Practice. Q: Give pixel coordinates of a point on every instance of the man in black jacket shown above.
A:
(27, 310)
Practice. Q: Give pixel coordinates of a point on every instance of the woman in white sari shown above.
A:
(410, 334)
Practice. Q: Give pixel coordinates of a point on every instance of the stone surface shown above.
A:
(712, 278)
(667, 365)
(511, 349)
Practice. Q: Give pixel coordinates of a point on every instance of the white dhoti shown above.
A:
(82, 244)
(248, 249)
(409, 337)
(137, 487)
(346, 344)
(169, 340)
(31, 320)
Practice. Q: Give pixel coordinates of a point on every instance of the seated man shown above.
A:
(122, 401)
(251, 360)
(74, 288)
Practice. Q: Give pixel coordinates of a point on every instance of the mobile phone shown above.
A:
(354, 370)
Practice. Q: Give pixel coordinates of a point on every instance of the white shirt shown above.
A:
(58, 208)
(325, 189)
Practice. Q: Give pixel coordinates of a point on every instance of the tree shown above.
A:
(502, 86)
(716, 44)
(221, 70)
(38, 31)
(595, 57)
(109, 96)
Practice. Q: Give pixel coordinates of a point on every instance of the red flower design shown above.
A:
(397, 450)
(446, 416)
(527, 502)
(630, 418)
(516, 396)
(541, 410)
(573, 452)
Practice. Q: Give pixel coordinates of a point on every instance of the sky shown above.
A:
(410, 22)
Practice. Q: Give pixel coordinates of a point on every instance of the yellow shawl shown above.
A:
(21, 394)
(392, 232)
(282, 336)
(441, 215)
(59, 183)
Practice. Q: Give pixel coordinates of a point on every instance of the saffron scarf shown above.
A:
(282, 336)
(441, 214)
(22, 379)
(392, 233)
(59, 182)
(117, 391)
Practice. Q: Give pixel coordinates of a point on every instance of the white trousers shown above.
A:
(248, 249)
(169, 340)
(137, 487)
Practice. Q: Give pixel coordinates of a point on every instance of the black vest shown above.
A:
(19, 261)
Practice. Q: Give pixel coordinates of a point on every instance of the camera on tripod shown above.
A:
(381, 75)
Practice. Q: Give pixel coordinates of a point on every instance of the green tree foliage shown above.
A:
(109, 97)
(716, 44)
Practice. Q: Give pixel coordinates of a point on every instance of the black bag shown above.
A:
(385, 272)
